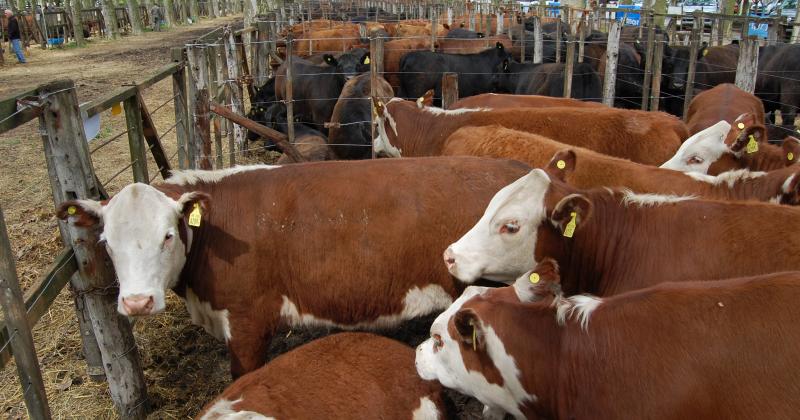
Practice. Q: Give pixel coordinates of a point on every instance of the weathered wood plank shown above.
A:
(133, 120)
(694, 45)
(281, 140)
(236, 93)
(612, 52)
(105, 102)
(747, 68)
(289, 99)
(30, 376)
(449, 89)
(199, 144)
(153, 142)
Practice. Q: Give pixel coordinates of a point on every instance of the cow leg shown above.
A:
(248, 345)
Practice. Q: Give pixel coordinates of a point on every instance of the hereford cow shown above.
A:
(499, 100)
(317, 87)
(645, 137)
(347, 375)
(351, 133)
(348, 244)
(586, 169)
(739, 149)
(423, 70)
(546, 79)
(609, 241)
(723, 102)
(722, 349)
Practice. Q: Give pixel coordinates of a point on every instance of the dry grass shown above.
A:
(184, 366)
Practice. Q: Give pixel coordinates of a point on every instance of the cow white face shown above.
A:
(442, 358)
(500, 246)
(141, 235)
(382, 144)
(699, 151)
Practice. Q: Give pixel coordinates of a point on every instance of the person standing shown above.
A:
(155, 16)
(13, 35)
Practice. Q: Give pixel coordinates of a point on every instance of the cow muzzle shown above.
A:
(138, 305)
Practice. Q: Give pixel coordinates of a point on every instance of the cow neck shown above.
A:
(421, 132)
(768, 158)
(763, 188)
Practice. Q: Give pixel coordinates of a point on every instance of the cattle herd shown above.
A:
(580, 261)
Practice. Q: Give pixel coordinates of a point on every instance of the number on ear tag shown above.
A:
(569, 230)
(195, 216)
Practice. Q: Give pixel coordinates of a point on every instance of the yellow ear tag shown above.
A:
(569, 230)
(561, 164)
(195, 216)
(705, 53)
(752, 145)
(740, 126)
(366, 60)
(790, 156)
(116, 109)
(420, 101)
(71, 209)
(534, 278)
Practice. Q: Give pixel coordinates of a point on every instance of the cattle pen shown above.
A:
(200, 124)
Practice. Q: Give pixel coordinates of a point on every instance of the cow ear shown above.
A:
(426, 99)
(791, 150)
(82, 213)
(790, 192)
(562, 164)
(330, 60)
(470, 329)
(188, 201)
(571, 213)
(446, 26)
(539, 283)
(505, 65)
(499, 46)
(481, 35)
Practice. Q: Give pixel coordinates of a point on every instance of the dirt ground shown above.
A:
(178, 386)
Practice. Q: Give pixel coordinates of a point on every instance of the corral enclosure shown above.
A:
(181, 129)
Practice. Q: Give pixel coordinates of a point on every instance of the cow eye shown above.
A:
(510, 227)
(168, 236)
(437, 342)
(695, 160)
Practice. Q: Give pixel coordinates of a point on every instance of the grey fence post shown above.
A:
(612, 52)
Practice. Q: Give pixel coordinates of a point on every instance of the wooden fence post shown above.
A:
(569, 66)
(434, 28)
(181, 113)
(538, 46)
(581, 40)
(795, 32)
(449, 89)
(648, 65)
(612, 51)
(71, 170)
(261, 71)
(694, 45)
(215, 92)
(16, 318)
(289, 99)
(376, 70)
(747, 68)
(199, 128)
(655, 91)
(133, 119)
(558, 40)
(239, 138)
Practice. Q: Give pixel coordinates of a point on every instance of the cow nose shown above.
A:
(138, 304)
(449, 259)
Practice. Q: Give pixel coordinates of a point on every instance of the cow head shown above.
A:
(501, 245)
(504, 80)
(382, 144)
(142, 234)
(676, 65)
(349, 64)
(699, 151)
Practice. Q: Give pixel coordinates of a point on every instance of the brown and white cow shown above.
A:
(585, 169)
(724, 349)
(347, 375)
(608, 241)
(500, 100)
(347, 244)
(646, 137)
(723, 102)
(743, 147)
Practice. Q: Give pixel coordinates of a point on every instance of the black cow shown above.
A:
(461, 33)
(317, 87)
(550, 35)
(630, 70)
(421, 71)
(352, 138)
(715, 66)
(778, 86)
(547, 79)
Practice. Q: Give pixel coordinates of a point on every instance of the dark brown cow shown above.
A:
(472, 46)
(723, 102)
(693, 350)
(611, 241)
(348, 375)
(394, 50)
(645, 137)
(351, 244)
(586, 169)
(498, 100)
